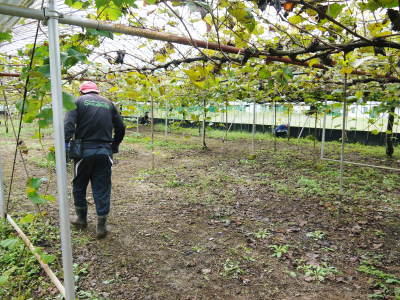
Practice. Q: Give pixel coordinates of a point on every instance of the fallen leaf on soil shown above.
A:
(293, 229)
(190, 264)
(308, 278)
(377, 246)
(302, 223)
(356, 229)
(353, 259)
(205, 271)
(340, 279)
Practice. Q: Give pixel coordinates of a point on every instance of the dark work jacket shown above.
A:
(93, 122)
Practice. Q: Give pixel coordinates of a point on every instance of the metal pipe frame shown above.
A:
(348, 162)
(2, 213)
(59, 143)
(323, 133)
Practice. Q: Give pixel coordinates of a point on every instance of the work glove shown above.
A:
(114, 147)
(67, 151)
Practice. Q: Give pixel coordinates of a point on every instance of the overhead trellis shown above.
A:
(234, 29)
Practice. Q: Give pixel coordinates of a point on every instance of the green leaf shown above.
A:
(121, 3)
(6, 275)
(288, 72)
(375, 132)
(78, 4)
(72, 57)
(373, 5)
(47, 258)
(36, 198)
(3, 279)
(243, 15)
(45, 70)
(296, 19)
(27, 219)
(96, 32)
(101, 3)
(68, 101)
(9, 243)
(264, 73)
(5, 36)
(49, 198)
(109, 12)
(334, 10)
(35, 182)
(45, 117)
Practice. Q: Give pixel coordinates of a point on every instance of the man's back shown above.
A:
(93, 121)
(94, 118)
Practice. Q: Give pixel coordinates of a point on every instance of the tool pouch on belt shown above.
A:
(76, 149)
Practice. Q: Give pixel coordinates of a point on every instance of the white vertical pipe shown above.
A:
(253, 132)
(343, 133)
(59, 142)
(166, 118)
(2, 214)
(323, 133)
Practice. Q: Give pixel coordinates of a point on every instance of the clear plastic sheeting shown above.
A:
(140, 52)
(7, 22)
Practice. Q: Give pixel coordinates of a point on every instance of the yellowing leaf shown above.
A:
(359, 94)
(346, 70)
(313, 61)
(295, 19)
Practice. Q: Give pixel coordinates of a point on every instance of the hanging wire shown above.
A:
(21, 115)
(13, 127)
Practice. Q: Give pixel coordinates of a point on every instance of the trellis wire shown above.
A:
(8, 112)
(361, 164)
(21, 115)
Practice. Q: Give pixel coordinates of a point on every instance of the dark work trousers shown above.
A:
(96, 169)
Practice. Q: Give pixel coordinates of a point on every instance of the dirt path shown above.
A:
(220, 224)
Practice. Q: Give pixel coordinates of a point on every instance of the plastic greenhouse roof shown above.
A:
(7, 22)
(139, 51)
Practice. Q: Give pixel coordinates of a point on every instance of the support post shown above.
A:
(166, 119)
(288, 122)
(323, 133)
(253, 132)
(343, 133)
(273, 131)
(152, 133)
(59, 143)
(203, 128)
(226, 121)
(2, 214)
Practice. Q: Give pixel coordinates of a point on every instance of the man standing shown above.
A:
(93, 121)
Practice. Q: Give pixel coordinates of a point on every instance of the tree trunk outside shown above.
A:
(204, 123)
(389, 132)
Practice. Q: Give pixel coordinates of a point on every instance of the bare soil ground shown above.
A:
(225, 224)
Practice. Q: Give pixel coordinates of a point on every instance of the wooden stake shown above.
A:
(44, 266)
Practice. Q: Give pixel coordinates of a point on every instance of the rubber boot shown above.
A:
(80, 220)
(101, 227)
